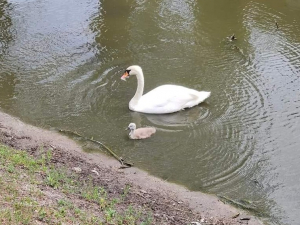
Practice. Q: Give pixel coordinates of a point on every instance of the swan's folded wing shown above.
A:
(168, 98)
(144, 132)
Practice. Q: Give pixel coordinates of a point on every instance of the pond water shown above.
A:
(61, 63)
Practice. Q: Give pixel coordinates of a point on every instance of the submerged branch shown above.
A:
(124, 164)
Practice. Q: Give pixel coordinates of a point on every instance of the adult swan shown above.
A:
(163, 99)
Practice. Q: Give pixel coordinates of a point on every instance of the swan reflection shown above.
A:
(184, 118)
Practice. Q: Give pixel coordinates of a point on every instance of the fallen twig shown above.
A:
(120, 159)
(245, 218)
(235, 216)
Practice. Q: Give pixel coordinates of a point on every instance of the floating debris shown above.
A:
(232, 37)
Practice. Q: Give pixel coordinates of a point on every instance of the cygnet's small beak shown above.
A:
(125, 75)
(127, 128)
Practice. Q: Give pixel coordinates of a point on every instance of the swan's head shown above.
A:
(131, 70)
(131, 126)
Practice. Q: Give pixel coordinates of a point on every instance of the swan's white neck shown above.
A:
(131, 133)
(139, 90)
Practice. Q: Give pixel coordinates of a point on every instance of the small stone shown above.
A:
(236, 215)
(77, 169)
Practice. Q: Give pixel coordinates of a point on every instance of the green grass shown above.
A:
(27, 181)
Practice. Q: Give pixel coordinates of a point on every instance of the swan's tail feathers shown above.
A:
(203, 95)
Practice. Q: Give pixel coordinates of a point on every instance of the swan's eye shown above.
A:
(127, 71)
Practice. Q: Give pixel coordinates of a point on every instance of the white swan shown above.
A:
(163, 99)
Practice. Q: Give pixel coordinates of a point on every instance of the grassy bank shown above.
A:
(46, 178)
(35, 191)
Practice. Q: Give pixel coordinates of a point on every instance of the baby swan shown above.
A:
(140, 133)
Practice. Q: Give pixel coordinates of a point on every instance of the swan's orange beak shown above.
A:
(125, 75)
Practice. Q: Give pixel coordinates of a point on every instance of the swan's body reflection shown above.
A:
(174, 122)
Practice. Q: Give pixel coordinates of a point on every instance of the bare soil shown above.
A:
(169, 203)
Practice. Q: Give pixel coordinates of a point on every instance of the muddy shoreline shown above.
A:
(171, 203)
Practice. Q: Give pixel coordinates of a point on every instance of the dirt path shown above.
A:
(170, 203)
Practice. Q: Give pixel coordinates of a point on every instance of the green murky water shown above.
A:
(61, 63)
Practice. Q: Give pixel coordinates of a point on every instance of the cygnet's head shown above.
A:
(131, 70)
(131, 126)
